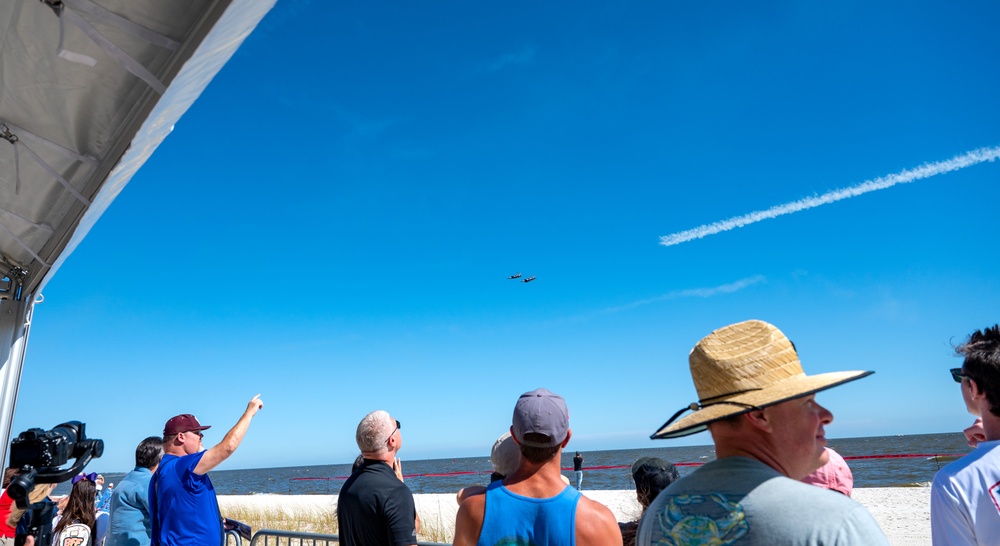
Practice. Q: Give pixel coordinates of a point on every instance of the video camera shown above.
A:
(38, 455)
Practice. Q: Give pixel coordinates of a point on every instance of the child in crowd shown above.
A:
(80, 509)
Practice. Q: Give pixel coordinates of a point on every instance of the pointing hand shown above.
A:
(975, 433)
(255, 405)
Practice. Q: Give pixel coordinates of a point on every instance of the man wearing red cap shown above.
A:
(534, 505)
(182, 503)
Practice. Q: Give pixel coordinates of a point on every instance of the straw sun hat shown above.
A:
(743, 367)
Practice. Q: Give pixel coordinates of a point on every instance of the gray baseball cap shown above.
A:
(541, 412)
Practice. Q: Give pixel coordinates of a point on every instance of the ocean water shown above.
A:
(884, 461)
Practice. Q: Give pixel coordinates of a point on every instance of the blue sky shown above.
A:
(332, 224)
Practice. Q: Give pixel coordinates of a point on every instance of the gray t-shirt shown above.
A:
(738, 500)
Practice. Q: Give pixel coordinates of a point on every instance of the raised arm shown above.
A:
(221, 451)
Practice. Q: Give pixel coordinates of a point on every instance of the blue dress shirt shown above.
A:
(130, 525)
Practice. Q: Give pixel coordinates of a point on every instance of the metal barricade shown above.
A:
(271, 537)
(237, 539)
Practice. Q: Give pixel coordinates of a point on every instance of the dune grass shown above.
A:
(315, 518)
(258, 519)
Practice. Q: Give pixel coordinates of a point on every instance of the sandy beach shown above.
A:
(902, 512)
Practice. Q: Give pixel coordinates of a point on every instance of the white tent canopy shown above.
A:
(88, 90)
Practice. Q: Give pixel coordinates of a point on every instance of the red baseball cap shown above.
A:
(184, 422)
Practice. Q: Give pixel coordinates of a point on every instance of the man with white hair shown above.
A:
(769, 433)
(375, 508)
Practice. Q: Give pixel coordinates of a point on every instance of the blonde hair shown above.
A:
(39, 492)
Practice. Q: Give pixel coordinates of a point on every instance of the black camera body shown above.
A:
(38, 455)
(48, 448)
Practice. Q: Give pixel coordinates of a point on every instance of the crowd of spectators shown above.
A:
(773, 480)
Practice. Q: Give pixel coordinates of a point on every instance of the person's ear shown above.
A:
(974, 387)
(569, 433)
(759, 419)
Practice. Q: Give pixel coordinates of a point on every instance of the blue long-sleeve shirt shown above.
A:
(130, 524)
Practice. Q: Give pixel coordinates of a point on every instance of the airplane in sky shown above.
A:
(514, 276)
(529, 279)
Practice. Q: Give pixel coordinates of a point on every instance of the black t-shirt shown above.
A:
(375, 508)
(578, 463)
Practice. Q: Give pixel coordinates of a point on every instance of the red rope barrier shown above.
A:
(904, 456)
(614, 466)
(427, 475)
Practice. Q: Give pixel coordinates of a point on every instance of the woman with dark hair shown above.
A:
(80, 507)
(651, 475)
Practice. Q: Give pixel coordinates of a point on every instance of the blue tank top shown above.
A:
(511, 519)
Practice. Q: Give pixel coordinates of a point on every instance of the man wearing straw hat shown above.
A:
(767, 427)
(965, 495)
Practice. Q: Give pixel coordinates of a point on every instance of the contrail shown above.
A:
(693, 292)
(676, 294)
(926, 170)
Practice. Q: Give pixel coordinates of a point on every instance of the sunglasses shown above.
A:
(957, 375)
(398, 426)
(198, 432)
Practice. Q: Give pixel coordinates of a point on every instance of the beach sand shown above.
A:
(902, 512)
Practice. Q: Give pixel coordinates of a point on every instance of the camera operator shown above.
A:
(38, 455)
(22, 518)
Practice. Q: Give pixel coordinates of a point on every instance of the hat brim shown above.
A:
(171, 433)
(648, 464)
(782, 391)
